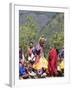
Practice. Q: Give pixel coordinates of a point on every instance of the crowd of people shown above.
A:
(37, 66)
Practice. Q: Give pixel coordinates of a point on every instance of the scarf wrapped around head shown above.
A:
(42, 40)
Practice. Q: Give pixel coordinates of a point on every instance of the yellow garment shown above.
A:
(43, 63)
(62, 65)
(58, 68)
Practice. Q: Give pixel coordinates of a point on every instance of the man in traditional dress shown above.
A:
(52, 62)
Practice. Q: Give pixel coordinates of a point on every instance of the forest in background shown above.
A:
(53, 31)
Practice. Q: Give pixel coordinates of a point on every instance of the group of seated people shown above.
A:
(37, 66)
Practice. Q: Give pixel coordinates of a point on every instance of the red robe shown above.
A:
(52, 62)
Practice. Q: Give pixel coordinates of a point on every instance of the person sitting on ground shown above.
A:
(23, 74)
(61, 62)
(21, 56)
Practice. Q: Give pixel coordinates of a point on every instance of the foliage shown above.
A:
(53, 32)
(27, 33)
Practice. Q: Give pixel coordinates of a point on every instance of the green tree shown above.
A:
(57, 40)
(27, 33)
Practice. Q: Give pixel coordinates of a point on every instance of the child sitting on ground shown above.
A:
(31, 71)
(23, 74)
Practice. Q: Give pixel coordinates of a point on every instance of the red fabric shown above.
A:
(52, 62)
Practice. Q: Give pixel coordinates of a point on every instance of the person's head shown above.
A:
(42, 40)
(29, 66)
(31, 44)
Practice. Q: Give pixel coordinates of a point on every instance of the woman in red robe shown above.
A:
(52, 62)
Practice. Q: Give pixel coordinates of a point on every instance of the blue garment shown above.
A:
(61, 55)
(22, 70)
(34, 50)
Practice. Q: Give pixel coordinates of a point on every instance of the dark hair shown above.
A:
(31, 42)
(38, 52)
(57, 50)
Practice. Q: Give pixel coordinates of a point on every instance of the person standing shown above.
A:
(52, 62)
(40, 62)
(31, 56)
